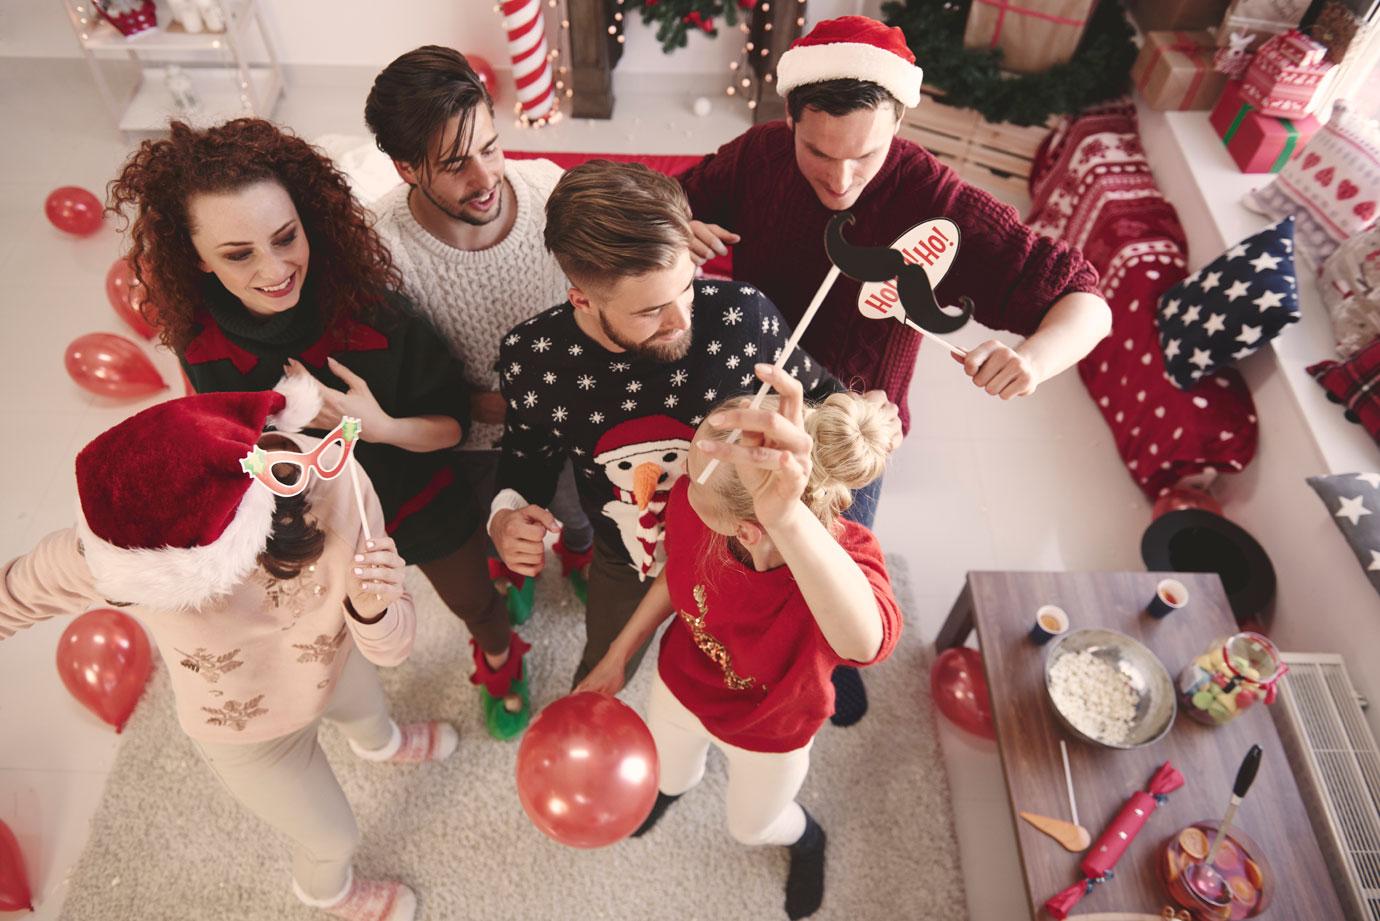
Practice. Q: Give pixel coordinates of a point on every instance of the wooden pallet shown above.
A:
(995, 156)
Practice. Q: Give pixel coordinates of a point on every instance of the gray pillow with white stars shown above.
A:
(1353, 500)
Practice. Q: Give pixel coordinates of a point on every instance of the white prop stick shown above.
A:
(800, 328)
(359, 498)
(933, 338)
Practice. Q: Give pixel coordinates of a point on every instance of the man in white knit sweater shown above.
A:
(465, 231)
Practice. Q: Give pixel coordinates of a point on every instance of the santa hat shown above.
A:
(166, 515)
(641, 436)
(852, 48)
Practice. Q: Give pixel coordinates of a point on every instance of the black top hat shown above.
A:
(1192, 540)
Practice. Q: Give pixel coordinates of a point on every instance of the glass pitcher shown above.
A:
(1231, 676)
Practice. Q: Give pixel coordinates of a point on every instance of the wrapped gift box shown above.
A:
(1175, 71)
(1285, 77)
(1261, 19)
(1166, 15)
(1033, 35)
(1258, 143)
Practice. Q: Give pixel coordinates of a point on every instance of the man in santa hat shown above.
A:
(770, 192)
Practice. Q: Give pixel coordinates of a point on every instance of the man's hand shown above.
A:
(1001, 370)
(519, 534)
(605, 678)
(891, 416)
(709, 240)
(488, 406)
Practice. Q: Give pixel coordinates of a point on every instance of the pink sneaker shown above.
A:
(367, 900)
(415, 743)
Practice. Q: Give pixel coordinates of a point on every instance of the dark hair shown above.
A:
(415, 96)
(606, 221)
(839, 97)
(296, 542)
(350, 264)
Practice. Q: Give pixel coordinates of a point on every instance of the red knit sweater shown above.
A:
(753, 187)
(744, 653)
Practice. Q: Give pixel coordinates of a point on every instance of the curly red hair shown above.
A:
(351, 265)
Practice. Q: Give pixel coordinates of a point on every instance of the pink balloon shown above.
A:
(74, 210)
(959, 689)
(485, 72)
(14, 883)
(587, 770)
(104, 660)
(111, 365)
(126, 295)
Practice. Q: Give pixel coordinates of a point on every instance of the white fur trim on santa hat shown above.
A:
(303, 395)
(174, 578)
(850, 61)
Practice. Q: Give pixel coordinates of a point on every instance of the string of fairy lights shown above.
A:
(743, 77)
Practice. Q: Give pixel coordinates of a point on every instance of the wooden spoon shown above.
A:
(1072, 837)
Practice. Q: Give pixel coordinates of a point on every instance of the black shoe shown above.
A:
(658, 810)
(805, 882)
(850, 697)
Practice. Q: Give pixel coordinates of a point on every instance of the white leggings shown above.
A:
(761, 785)
(288, 783)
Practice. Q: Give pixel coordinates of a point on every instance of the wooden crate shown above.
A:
(995, 156)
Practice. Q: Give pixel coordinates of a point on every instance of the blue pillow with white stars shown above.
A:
(1231, 307)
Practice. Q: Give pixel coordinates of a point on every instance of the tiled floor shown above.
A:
(980, 484)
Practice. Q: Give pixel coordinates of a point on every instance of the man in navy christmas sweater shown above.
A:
(617, 379)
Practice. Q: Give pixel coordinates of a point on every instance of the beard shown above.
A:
(663, 352)
(458, 213)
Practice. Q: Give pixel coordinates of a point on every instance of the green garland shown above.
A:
(971, 78)
(678, 18)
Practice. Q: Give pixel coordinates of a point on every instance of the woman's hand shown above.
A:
(773, 454)
(607, 677)
(376, 577)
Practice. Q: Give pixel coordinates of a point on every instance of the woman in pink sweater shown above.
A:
(269, 610)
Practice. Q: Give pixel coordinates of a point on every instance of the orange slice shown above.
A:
(1255, 874)
(1194, 842)
(1241, 889)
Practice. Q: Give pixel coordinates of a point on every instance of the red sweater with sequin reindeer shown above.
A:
(753, 187)
(744, 653)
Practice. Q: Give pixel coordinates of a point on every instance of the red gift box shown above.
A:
(1258, 143)
(1284, 78)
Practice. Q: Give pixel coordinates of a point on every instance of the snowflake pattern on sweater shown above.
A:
(625, 421)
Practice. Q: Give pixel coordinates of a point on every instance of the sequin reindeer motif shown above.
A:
(710, 645)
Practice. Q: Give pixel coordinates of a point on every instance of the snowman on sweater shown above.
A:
(643, 458)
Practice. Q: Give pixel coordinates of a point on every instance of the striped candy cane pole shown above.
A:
(526, 28)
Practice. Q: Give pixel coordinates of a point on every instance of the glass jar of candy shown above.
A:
(1231, 676)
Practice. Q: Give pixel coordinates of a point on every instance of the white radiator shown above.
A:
(1337, 765)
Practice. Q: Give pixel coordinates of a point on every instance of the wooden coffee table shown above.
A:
(1001, 606)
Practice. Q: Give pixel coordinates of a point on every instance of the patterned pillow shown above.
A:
(1353, 383)
(1350, 287)
(1231, 307)
(1353, 499)
(1331, 187)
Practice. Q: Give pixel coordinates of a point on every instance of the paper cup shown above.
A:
(1050, 621)
(1170, 595)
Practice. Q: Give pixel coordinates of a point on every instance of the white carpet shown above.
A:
(168, 844)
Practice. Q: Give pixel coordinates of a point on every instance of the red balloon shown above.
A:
(14, 884)
(587, 770)
(485, 72)
(126, 295)
(111, 365)
(103, 658)
(959, 689)
(1185, 497)
(74, 210)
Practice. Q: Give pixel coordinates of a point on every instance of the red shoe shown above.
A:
(575, 567)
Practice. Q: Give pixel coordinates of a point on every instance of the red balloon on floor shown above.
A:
(112, 366)
(485, 72)
(587, 770)
(126, 295)
(14, 882)
(104, 659)
(959, 689)
(74, 210)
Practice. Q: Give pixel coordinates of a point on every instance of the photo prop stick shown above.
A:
(1097, 864)
(869, 264)
(931, 246)
(261, 465)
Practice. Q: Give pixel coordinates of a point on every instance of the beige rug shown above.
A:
(168, 844)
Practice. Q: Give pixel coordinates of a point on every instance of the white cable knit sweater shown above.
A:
(473, 298)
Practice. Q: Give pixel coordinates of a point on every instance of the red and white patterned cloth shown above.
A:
(1092, 187)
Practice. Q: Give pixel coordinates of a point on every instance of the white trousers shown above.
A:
(288, 783)
(762, 786)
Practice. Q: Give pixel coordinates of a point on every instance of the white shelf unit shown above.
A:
(226, 83)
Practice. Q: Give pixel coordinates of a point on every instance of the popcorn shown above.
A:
(1095, 696)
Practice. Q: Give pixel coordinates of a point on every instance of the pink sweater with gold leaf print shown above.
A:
(253, 665)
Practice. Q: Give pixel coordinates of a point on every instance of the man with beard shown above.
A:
(618, 377)
(465, 231)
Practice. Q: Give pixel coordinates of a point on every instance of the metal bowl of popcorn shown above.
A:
(1109, 689)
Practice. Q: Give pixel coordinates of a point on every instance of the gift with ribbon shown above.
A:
(1032, 35)
(1175, 71)
(1261, 19)
(1165, 15)
(1287, 76)
(1258, 143)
